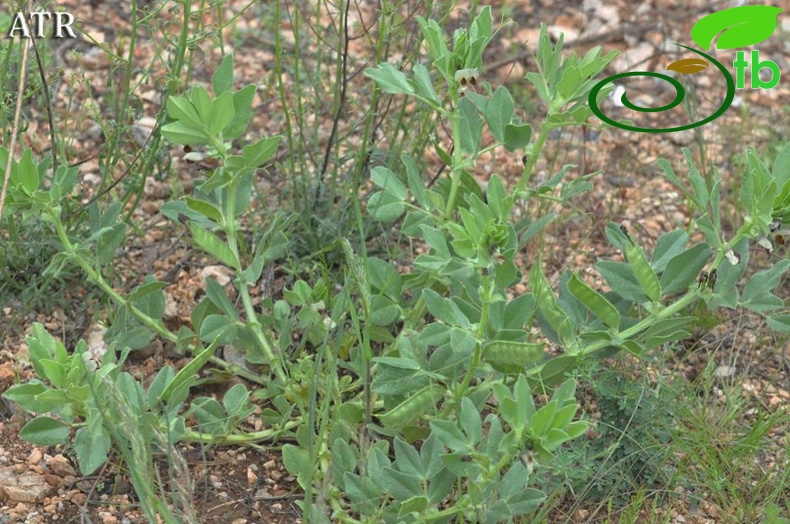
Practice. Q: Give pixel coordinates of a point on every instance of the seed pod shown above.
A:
(643, 271)
(411, 408)
(594, 301)
(559, 321)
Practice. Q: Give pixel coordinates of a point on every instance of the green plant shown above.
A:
(336, 127)
(459, 335)
(718, 442)
(633, 437)
(75, 390)
(416, 482)
(441, 356)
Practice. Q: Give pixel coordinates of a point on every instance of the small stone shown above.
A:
(252, 478)
(95, 59)
(35, 457)
(52, 480)
(724, 371)
(60, 466)
(28, 487)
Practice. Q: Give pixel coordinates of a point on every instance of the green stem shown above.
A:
(458, 163)
(244, 438)
(252, 319)
(532, 160)
(481, 331)
(157, 326)
(676, 307)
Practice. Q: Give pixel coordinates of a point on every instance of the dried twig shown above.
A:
(15, 128)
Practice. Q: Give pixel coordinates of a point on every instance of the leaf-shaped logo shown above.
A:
(742, 26)
(688, 66)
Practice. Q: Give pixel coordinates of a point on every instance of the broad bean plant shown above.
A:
(442, 360)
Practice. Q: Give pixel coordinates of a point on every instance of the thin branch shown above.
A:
(15, 128)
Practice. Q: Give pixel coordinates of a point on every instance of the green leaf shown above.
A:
(758, 290)
(210, 415)
(218, 326)
(390, 79)
(109, 242)
(55, 372)
(385, 206)
(45, 431)
(222, 81)
(450, 435)
(471, 126)
(387, 180)
(407, 459)
(781, 167)
(384, 311)
(215, 247)
(499, 112)
(667, 246)
(205, 208)
(684, 268)
(416, 183)
(242, 109)
(186, 375)
(780, 323)
(149, 298)
(236, 400)
(401, 485)
(158, 385)
(257, 154)
(362, 492)
(570, 82)
(134, 338)
(517, 136)
(217, 295)
(424, 85)
(92, 445)
(556, 318)
(26, 396)
(181, 109)
(437, 47)
(27, 172)
(444, 309)
(221, 114)
(203, 104)
(552, 371)
(742, 26)
(297, 462)
(470, 421)
(184, 134)
(413, 505)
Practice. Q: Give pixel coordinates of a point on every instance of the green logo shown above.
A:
(736, 27)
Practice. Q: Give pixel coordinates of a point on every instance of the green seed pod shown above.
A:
(510, 356)
(559, 321)
(643, 271)
(594, 301)
(407, 411)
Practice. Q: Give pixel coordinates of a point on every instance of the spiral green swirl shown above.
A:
(680, 94)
